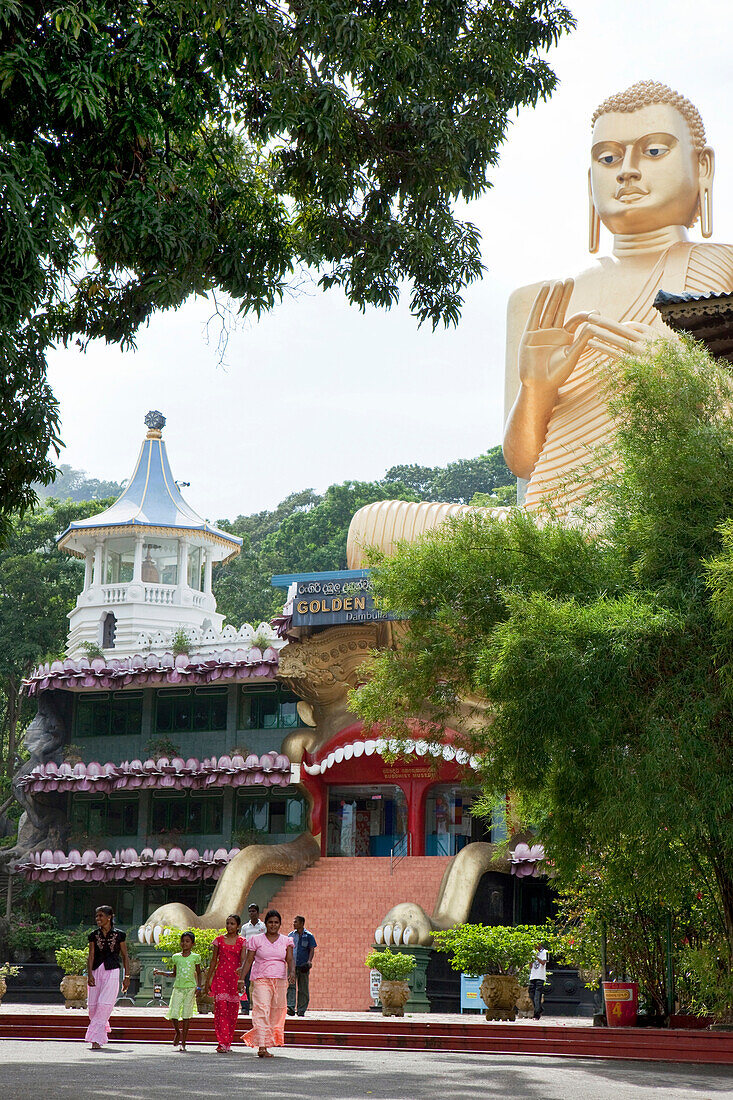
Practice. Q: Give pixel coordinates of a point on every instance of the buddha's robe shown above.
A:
(580, 423)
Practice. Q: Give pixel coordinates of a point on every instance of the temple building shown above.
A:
(181, 767)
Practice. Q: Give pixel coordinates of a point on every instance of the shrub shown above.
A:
(704, 977)
(156, 747)
(393, 966)
(170, 942)
(35, 934)
(482, 949)
(7, 970)
(180, 643)
(72, 960)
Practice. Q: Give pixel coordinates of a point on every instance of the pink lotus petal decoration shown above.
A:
(525, 860)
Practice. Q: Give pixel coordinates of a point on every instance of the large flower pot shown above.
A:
(74, 990)
(622, 1002)
(524, 1005)
(3, 988)
(394, 996)
(499, 993)
(204, 1003)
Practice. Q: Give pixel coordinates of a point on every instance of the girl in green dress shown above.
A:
(186, 974)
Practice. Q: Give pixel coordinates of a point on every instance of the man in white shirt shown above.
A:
(537, 976)
(253, 927)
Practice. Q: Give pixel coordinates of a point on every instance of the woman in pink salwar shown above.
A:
(270, 957)
(227, 954)
(107, 956)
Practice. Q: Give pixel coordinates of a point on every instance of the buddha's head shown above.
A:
(650, 166)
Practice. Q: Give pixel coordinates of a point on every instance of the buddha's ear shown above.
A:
(594, 221)
(707, 171)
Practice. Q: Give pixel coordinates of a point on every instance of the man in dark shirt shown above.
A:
(304, 946)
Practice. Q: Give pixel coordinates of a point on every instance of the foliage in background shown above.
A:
(155, 151)
(479, 949)
(38, 587)
(72, 484)
(635, 905)
(394, 966)
(308, 532)
(705, 981)
(35, 934)
(170, 942)
(602, 649)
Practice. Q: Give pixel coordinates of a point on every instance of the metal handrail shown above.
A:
(398, 853)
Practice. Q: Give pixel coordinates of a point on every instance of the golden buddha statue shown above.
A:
(650, 179)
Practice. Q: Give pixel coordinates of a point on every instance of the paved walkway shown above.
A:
(62, 1070)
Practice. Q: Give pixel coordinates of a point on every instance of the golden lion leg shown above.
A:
(232, 889)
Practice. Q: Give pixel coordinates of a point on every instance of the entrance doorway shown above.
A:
(449, 824)
(366, 821)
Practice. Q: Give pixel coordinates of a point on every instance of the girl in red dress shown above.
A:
(227, 955)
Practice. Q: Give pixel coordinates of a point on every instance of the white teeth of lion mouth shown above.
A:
(381, 746)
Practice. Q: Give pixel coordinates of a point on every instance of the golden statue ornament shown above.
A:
(650, 180)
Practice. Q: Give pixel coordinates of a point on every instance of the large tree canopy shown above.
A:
(602, 650)
(149, 151)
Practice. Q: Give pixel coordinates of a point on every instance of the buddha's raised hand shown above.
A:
(551, 345)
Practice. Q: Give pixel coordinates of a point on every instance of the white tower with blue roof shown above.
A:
(148, 561)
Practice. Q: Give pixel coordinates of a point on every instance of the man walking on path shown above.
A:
(537, 976)
(253, 927)
(304, 945)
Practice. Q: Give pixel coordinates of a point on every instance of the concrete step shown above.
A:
(390, 1033)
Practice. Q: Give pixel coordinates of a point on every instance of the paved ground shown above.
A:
(29, 1070)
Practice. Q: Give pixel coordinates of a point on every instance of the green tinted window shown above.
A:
(272, 707)
(185, 710)
(103, 714)
(102, 816)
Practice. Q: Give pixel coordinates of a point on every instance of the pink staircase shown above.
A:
(343, 899)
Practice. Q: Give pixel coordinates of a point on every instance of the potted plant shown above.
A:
(170, 942)
(73, 962)
(501, 954)
(395, 968)
(7, 971)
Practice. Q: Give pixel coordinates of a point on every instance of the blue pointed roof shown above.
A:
(150, 500)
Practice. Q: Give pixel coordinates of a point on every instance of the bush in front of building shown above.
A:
(479, 949)
(393, 966)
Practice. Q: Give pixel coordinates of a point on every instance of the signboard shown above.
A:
(375, 980)
(471, 993)
(335, 600)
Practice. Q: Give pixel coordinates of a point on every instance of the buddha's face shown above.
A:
(645, 171)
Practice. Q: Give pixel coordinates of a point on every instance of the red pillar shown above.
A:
(415, 791)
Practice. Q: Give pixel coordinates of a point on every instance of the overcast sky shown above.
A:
(317, 392)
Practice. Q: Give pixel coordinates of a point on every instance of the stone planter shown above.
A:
(524, 1005)
(74, 990)
(204, 1003)
(3, 988)
(394, 996)
(499, 993)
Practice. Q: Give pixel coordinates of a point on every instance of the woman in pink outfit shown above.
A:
(107, 955)
(270, 957)
(227, 954)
